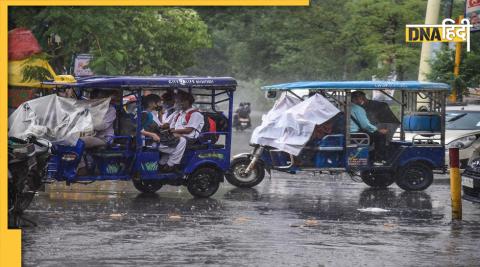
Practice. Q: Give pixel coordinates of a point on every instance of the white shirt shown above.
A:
(155, 117)
(196, 122)
(169, 119)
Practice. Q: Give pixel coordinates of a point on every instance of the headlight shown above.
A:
(463, 142)
(475, 163)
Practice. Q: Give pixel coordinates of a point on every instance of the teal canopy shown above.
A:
(360, 85)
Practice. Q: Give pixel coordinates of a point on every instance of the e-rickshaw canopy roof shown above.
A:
(150, 82)
(359, 85)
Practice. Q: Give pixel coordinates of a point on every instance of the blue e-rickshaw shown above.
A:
(409, 163)
(129, 155)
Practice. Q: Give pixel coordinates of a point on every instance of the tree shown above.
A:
(244, 42)
(443, 63)
(469, 74)
(310, 44)
(329, 40)
(123, 40)
(376, 30)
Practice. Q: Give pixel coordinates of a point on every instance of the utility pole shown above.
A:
(456, 69)
(431, 17)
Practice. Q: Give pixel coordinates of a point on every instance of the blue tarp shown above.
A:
(149, 81)
(360, 85)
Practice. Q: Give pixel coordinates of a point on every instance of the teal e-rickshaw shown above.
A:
(409, 163)
(131, 156)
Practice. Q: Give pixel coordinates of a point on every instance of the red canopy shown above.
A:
(22, 44)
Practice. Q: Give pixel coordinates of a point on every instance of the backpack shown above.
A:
(166, 137)
(213, 122)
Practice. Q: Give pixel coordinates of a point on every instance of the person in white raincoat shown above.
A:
(290, 123)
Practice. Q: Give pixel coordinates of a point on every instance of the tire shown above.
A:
(377, 179)
(204, 182)
(237, 176)
(147, 186)
(23, 201)
(23, 195)
(414, 176)
(19, 199)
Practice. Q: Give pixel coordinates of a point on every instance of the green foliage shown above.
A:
(329, 40)
(469, 74)
(443, 64)
(244, 39)
(377, 31)
(123, 40)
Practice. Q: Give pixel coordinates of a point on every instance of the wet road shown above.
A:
(300, 220)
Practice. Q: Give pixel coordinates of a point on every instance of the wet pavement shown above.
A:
(288, 220)
(300, 220)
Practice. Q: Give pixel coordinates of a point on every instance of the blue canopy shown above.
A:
(360, 85)
(109, 82)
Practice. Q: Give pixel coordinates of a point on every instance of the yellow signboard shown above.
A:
(448, 31)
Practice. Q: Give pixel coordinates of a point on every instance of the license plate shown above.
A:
(468, 182)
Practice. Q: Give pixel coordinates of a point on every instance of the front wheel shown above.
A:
(147, 186)
(415, 176)
(204, 182)
(239, 178)
(377, 179)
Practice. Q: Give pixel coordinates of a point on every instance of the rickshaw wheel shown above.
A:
(204, 182)
(237, 176)
(377, 179)
(415, 176)
(147, 186)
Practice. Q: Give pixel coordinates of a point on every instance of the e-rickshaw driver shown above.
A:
(361, 123)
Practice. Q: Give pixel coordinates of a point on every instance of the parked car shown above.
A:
(471, 181)
(463, 131)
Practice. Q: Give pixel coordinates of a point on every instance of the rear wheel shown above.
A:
(147, 186)
(239, 178)
(23, 201)
(377, 179)
(19, 199)
(23, 195)
(415, 176)
(204, 182)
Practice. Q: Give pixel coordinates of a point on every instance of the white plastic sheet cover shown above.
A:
(58, 119)
(290, 123)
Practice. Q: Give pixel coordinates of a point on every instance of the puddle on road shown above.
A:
(292, 220)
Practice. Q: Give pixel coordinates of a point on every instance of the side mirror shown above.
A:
(271, 94)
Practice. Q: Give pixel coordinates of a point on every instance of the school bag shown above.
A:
(213, 122)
